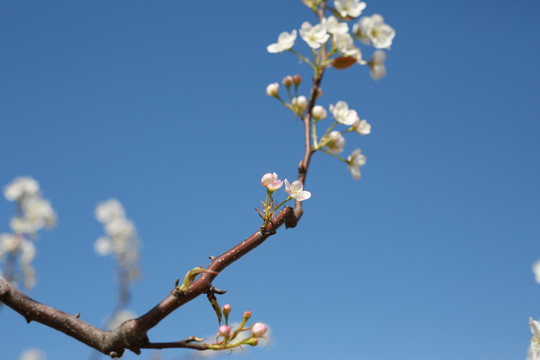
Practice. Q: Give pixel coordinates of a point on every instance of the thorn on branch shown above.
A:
(77, 315)
(211, 257)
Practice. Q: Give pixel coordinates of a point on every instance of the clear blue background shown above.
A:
(162, 105)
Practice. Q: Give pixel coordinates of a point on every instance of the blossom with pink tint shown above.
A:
(259, 329)
(271, 182)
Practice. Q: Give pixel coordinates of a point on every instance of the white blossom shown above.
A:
(362, 127)
(314, 36)
(536, 271)
(285, 42)
(32, 354)
(345, 45)
(296, 190)
(21, 187)
(373, 30)
(334, 27)
(272, 89)
(355, 161)
(342, 114)
(299, 104)
(352, 8)
(318, 112)
(377, 69)
(9, 243)
(534, 349)
(109, 210)
(334, 142)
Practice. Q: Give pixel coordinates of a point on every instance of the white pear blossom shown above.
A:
(272, 89)
(377, 69)
(356, 160)
(32, 354)
(362, 127)
(121, 240)
(9, 243)
(373, 30)
(108, 210)
(352, 8)
(534, 349)
(271, 181)
(318, 112)
(314, 36)
(345, 45)
(334, 142)
(334, 27)
(299, 104)
(536, 271)
(342, 114)
(21, 187)
(296, 190)
(285, 42)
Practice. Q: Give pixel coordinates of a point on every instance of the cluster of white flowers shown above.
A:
(33, 213)
(370, 30)
(121, 240)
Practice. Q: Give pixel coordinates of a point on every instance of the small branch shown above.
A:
(189, 343)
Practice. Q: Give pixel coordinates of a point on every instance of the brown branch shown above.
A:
(189, 343)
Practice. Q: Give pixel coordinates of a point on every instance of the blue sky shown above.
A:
(162, 105)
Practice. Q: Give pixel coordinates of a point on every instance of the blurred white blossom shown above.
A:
(377, 69)
(362, 127)
(21, 187)
(373, 30)
(356, 160)
(285, 42)
(352, 8)
(334, 27)
(345, 45)
(342, 114)
(32, 354)
(534, 349)
(121, 239)
(334, 142)
(314, 36)
(120, 317)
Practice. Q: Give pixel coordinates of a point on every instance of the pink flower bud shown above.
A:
(247, 315)
(224, 330)
(226, 309)
(287, 81)
(259, 329)
(272, 89)
(297, 80)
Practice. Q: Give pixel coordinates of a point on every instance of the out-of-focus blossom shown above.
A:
(362, 127)
(342, 114)
(352, 8)
(345, 45)
(299, 104)
(534, 349)
(318, 112)
(314, 36)
(536, 271)
(296, 190)
(119, 318)
(285, 42)
(272, 89)
(259, 329)
(334, 142)
(121, 240)
(9, 243)
(377, 69)
(355, 161)
(21, 187)
(373, 30)
(32, 354)
(108, 210)
(271, 181)
(334, 27)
